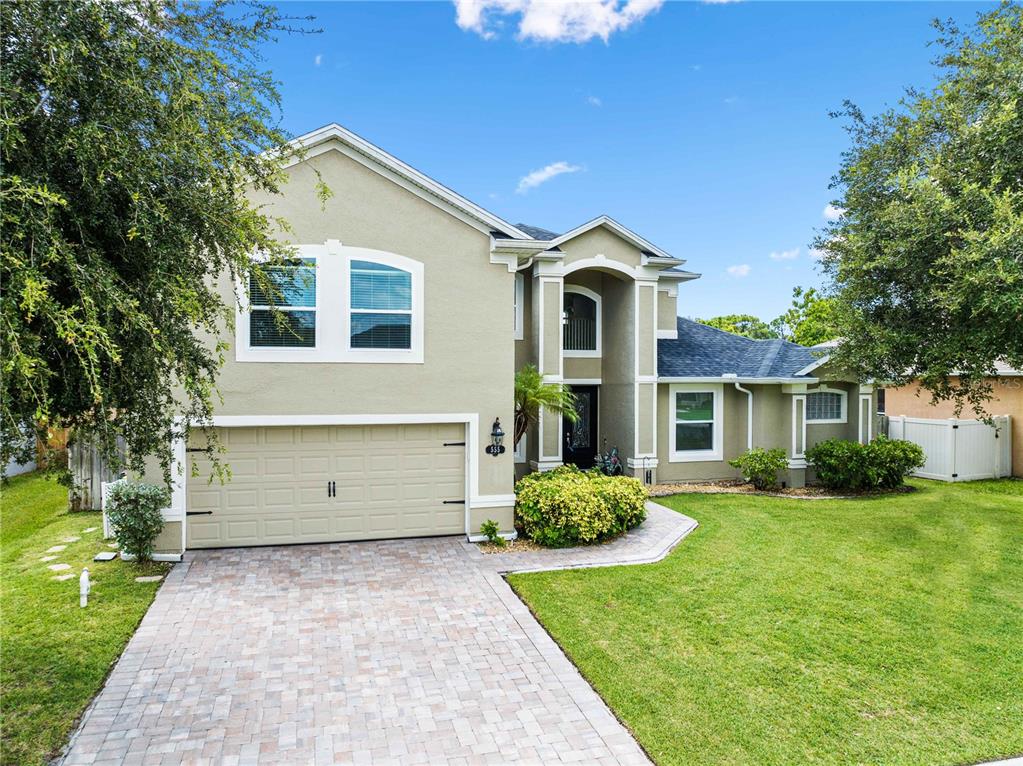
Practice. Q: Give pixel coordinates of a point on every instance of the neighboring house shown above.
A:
(409, 308)
(1007, 388)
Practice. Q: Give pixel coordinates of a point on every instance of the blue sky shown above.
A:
(703, 127)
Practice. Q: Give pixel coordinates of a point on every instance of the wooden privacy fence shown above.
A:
(958, 450)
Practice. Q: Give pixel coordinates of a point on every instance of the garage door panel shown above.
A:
(391, 481)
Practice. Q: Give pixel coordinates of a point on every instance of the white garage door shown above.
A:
(330, 483)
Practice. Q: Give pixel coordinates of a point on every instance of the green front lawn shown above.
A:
(885, 630)
(54, 655)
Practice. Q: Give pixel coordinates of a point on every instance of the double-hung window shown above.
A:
(695, 422)
(381, 306)
(283, 306)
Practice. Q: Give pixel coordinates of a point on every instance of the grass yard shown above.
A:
(55, 655)
(875, 631)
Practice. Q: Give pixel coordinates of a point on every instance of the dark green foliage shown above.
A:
(746, 325)
(129, 135)
(926, 261)
(882, 464)
(135, 511)
(761, 467)
(490, 530)
(567, 506)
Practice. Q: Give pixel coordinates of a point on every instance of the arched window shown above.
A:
(581, 321)
(826, 406)
(381, 306)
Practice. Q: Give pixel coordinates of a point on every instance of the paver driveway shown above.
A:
(408, 652)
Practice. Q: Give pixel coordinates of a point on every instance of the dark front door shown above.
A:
(580, 437)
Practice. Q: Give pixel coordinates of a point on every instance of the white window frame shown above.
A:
(844, 396)
(702, 455)
(333, 311)
(520, 290)
(520, 450)
(595, 297)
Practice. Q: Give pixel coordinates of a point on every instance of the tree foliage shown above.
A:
(812, 319)
(927, 259)
(533, 394)
(746, 325)
(129, 134)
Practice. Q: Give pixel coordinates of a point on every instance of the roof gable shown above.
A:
(634, 239)
(334, 137)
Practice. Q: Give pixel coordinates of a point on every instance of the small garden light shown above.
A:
(496, 438)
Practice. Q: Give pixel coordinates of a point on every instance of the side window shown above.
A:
(826, 407)
(291, 289)
(696, 422)
(381, 306)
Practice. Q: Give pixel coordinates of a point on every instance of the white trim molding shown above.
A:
(798, 427)
(334, 313)
(716, 453)
(598, 303)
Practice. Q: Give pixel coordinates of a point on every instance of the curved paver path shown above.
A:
(393, 652)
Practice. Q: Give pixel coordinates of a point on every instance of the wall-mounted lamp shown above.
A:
(496, 438)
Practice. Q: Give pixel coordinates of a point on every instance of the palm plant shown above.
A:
(532, 394)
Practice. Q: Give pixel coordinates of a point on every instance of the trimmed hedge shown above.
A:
(882, 464)
(135, 512)
(567, 506)
(760, 467)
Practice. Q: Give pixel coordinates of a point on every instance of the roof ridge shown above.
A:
(768, 361)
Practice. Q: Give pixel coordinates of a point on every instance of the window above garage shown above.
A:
(335, 304)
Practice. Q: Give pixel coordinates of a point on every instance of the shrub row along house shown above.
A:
(408, 310)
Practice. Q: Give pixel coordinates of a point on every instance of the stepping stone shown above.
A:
(105, 556)
(90, 529)
(151, 578)
(56, 549)
(48, 558)
(61, 578)
(71, 539)
(58, 567)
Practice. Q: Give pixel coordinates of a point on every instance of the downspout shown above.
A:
(749, 409)
(527, 264)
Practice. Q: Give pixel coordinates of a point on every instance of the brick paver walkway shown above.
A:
(396, 652)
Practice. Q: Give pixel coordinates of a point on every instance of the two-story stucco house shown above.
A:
(410, 309)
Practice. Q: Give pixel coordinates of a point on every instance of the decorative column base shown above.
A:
(644, 469)
(545, 465)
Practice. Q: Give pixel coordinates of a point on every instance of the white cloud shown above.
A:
(816, 254)
(566, 21)
(785, 255)
(594, 101)
(741, 270)
(544, 174)
(318, 60)
(832, 213)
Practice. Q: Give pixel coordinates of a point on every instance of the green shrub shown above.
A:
(882, 464)
(135, 511)
(760, 466)
(892, 460)
(490, 529)
(567, 506)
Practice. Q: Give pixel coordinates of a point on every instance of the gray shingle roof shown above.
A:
(536, 232)
(706, 352)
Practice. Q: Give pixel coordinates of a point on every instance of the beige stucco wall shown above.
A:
(370, 211)
(667, 311)
(600, 241)
(734, 437)
(915, 402)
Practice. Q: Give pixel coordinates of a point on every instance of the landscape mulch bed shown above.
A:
(518, 545)
(734, 487)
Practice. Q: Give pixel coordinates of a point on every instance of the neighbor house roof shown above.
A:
(707, 352)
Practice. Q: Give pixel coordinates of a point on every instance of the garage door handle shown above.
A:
(198, 513)
(331, 489)
(454, 444)
(454, 502)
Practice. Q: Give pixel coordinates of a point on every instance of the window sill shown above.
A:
(582, 354)
(840, 421)
(696, 456)
(317, 356)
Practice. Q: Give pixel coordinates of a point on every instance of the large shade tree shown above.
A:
(927, 258)
(129, 134)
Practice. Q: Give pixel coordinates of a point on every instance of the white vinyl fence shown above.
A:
(958, 450)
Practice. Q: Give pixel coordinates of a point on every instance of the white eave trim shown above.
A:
(678, 276)
(733, 379)
(627, 234)
(407, 172)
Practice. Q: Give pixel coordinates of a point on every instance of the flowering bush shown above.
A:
(567, 506)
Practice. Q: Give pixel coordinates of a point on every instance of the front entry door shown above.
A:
(580, 438)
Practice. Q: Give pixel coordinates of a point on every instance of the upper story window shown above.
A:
(581, 321)
(337, 304)
(291, 289)
(695, 422)
(381, 306)
(825, 406)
